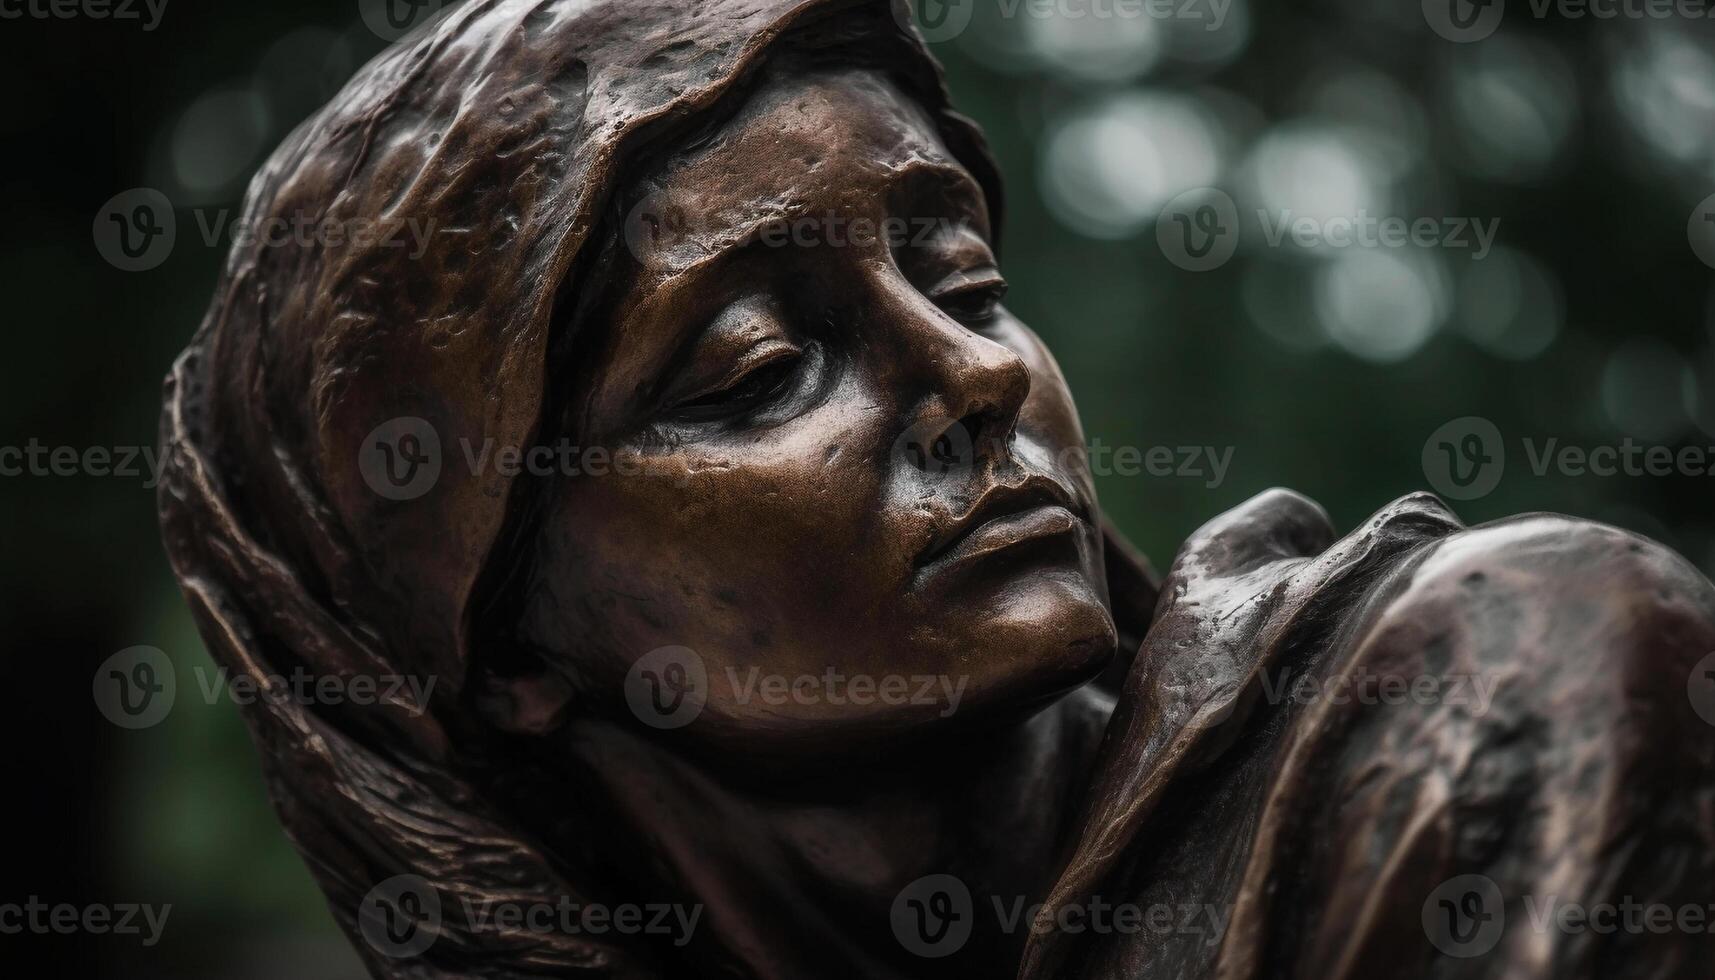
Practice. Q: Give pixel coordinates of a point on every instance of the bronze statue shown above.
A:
(807, 668)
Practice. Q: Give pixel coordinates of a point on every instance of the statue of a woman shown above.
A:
(807, 668)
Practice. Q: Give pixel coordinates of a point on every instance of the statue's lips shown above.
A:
(1013, 529)
(1004, 518)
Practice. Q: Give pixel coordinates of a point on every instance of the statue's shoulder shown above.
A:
(1553, 580)
(1557, 610)
(1467, 704)
(1425, 552)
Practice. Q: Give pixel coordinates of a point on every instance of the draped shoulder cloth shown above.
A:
(1405, 753)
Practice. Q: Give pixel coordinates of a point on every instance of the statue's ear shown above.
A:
(1132, 590)
(527, 698)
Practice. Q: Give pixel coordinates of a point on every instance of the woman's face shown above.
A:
(842, 473)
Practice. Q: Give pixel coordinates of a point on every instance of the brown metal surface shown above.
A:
(741, 252)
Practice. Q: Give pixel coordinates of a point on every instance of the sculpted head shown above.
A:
(745, 251)
(844, 453)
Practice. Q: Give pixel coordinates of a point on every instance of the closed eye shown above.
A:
(970, 299)
(752, 387)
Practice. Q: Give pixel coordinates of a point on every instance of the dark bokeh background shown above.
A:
(1590, 141)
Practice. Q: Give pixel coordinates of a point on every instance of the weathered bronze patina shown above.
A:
(741, 256)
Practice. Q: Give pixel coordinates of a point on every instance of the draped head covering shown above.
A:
(472, 169)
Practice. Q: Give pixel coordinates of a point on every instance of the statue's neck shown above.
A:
(799, 879)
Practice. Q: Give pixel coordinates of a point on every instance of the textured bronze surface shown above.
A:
(743, 255)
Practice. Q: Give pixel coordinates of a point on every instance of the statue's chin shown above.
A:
(1021, 664)
(1063, 632)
